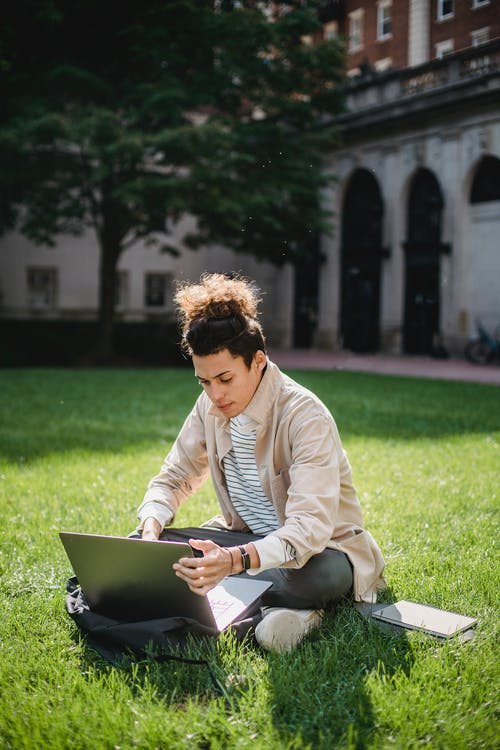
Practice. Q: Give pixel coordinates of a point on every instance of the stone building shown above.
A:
(415, 256)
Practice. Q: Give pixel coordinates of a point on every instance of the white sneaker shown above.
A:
(281, 629)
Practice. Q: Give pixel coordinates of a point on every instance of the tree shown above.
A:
(118, 116)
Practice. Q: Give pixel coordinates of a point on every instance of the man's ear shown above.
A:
(260, 359)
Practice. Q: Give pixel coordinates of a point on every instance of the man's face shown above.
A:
(227, 381)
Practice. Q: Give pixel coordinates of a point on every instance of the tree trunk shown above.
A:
(110, 251)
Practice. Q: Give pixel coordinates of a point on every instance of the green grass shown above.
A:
(76, 451)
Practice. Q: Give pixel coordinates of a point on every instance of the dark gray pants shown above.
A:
(325, 578)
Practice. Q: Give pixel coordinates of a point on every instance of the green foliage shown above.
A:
(117, 117)
(76, 451)
(121, 114)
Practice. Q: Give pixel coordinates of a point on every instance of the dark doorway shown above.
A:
(306, 297)
(422, 272)
(361, 260)
(421, 325)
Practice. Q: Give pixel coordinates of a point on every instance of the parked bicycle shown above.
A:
(483, 348)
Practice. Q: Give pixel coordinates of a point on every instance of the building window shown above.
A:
(444, 48)
(479, 3)
(480, 36)
(158, 290)
(486, 183)
(446, 9)
(384, 64)
(42, 288)
(121, 290)
(330, 31)
(356, 30)
(384, 20)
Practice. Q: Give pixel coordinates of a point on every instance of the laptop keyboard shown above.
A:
(225, 607)
(220, 606)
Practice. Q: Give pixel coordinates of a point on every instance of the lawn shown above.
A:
(76, 451)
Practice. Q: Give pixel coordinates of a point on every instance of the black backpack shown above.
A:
(162, 639)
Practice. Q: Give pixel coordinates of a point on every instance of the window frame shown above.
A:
(122, 289)
(441, 16)
(167, 278)
(385, 63)
(331, 31)
(446, 47)
(34, 297)
(383, 5)
(356, 17)
(476, 34)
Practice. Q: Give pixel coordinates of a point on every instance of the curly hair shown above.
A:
(220, 312)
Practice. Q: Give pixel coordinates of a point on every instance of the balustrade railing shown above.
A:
(372, 88)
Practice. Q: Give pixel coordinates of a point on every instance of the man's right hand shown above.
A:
(151, 530)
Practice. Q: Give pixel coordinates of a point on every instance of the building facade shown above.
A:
(416, 259)
(415, 256)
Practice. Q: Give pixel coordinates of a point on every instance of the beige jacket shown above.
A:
(303, 470)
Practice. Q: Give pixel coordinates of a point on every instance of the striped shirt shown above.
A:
(243, 482)
(245, 490)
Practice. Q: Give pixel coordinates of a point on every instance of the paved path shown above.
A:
(416, 366)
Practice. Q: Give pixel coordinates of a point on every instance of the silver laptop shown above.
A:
(133, 579)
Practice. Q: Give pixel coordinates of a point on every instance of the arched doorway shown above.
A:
(482, 247)
(422, 269)
(361, 255)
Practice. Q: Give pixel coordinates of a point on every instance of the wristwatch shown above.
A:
(245, 558)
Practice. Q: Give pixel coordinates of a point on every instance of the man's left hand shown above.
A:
(203, 573)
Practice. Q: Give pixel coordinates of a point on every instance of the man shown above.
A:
(283, 481)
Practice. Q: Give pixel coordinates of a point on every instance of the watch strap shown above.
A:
(245, 558)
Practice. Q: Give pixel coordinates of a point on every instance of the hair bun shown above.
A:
(217, 296)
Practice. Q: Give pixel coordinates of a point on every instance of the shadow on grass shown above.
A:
(43, 412)
(320, 691)
(318, 695)
(179, 674)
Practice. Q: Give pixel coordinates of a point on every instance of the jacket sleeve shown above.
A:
(313, 492)
(183, 472)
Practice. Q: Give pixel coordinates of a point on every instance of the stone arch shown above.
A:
(361, 254)
(482, 255)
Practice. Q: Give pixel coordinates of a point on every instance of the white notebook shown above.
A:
(423, 617)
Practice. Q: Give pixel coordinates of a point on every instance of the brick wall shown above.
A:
(374, 50)
(458, 28)
(465, 20)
